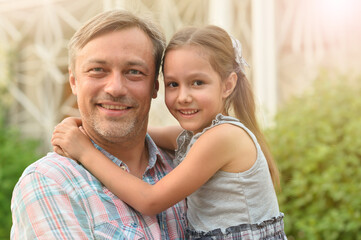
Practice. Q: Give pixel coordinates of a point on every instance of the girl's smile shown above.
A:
(188, 113)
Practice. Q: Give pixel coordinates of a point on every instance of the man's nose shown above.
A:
(116, 85)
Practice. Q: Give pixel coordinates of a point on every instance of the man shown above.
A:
(114, 63)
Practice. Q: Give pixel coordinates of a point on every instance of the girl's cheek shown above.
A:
(169, 98)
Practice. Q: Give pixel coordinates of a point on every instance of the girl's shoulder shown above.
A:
(226, 139)
(229, 125)
(233, 143)
(228, 134)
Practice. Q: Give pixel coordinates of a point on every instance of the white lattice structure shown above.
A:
(277, 37)
(39, 31)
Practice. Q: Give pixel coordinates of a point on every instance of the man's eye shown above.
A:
(133, 71)
(97, 69)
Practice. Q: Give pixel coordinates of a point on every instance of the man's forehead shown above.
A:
(127, 40)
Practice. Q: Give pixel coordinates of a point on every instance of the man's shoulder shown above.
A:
(52, 165)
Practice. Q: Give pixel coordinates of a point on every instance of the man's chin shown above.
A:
(114, 131)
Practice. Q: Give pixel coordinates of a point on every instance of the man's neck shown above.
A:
(132, 151)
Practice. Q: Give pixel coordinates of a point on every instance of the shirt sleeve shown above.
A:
(43, 209)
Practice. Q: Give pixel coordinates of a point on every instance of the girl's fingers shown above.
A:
(55, 141)
(72, 121)
(66, 124)
(59, 128)
(82, 130)
(59, 139)
(59, 151)
(56, 136)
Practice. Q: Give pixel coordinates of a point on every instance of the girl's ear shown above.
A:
(229, 84)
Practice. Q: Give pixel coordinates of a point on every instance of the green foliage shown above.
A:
(317, 145)
(15, 154)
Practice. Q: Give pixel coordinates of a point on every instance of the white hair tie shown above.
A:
(237, 46)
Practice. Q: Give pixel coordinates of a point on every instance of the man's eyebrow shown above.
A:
(97, 61)
(129, 63)
(138, 63)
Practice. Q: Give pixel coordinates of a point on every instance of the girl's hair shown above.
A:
(217, 43)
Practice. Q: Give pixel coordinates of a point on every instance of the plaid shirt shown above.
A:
(57, 198)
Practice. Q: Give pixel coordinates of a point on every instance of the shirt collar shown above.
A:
(153, 150)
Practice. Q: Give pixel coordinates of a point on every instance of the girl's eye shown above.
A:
(172, 84)
(198, 83)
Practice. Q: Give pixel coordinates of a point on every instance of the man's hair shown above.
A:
(116, 20)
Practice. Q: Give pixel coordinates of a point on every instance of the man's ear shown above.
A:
(229, 84)
(72, 82)
(155, 89)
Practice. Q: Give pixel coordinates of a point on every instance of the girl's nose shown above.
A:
(184, 95)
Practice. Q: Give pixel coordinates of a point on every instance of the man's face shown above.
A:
(114, 84)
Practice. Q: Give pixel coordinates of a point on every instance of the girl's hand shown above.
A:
(70, 140)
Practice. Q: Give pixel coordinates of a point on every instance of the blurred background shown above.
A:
(305, 68)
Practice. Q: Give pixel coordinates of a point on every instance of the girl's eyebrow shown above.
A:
(198, 74)
(168, 76)
(192, 75)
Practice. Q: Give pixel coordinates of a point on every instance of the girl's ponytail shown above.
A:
(243, 105)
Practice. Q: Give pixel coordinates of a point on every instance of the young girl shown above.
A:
(225, 169)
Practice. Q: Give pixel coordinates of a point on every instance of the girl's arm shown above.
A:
(213, 150)
(165, 137)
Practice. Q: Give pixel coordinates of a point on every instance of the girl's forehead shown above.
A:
(187, 62)
(196, 50)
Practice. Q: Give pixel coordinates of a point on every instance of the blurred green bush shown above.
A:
(16, 154)
(316, 142)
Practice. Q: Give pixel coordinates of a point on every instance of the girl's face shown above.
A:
(194, 91)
